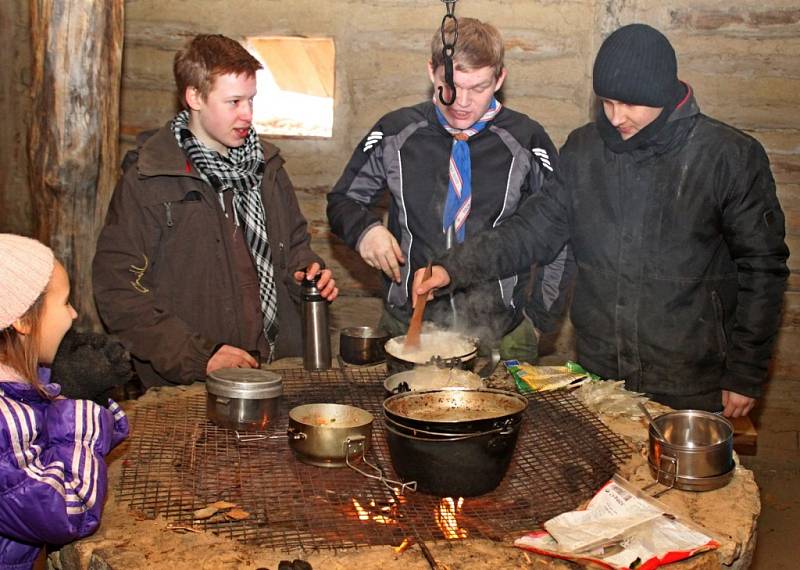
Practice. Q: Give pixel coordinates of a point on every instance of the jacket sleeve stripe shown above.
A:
(53, 474)
(87, 424)
(506, 285)
(118, 412)
(80, 493)
(554, 273)
(19, 438)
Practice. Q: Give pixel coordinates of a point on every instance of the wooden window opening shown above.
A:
(296, 86)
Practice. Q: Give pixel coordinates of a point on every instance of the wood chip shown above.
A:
(205, 513)
(222, 505)
(237, 514)
(179, 528)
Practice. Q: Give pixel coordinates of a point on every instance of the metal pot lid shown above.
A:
(244, 383)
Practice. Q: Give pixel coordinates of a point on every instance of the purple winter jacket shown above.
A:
(52, 471)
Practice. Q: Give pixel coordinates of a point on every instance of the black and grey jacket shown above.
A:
(681, 256)
(407, 153)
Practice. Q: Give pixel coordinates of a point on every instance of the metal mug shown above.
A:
(362, 345)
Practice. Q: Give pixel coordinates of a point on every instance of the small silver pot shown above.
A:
(329, 435)
(362, 345)
(696, 453)
(242, 399)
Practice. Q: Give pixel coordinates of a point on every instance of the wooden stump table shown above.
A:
(124, 541)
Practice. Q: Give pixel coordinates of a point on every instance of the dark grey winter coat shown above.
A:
(680, 251)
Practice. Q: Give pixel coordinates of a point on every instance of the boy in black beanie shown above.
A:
(677, 231)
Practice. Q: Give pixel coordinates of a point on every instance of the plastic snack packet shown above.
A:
(530, 378)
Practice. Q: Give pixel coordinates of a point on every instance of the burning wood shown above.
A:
(371, 514)
(403, 546)
(446, 515)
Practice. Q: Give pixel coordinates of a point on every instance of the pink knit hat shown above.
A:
(25, 269)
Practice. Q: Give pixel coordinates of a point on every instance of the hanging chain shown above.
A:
(448, 50)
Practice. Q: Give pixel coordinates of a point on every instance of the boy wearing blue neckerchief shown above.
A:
(452, 172)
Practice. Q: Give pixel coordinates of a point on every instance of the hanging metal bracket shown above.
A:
(448, 50)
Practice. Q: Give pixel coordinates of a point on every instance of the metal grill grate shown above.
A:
(179, 462)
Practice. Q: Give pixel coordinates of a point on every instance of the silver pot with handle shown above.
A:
(696, 452)
(329, 435)
(243, 399)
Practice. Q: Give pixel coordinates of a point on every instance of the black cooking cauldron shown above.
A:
(453, 442)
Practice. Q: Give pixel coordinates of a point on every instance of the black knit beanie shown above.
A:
(636, 65)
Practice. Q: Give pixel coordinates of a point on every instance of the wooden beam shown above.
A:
(745, 436)
(73, 147)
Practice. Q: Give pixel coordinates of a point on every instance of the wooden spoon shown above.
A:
(415, 326)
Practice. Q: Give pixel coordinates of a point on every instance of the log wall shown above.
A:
(73, 135)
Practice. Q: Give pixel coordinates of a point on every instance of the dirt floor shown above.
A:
(779, 523)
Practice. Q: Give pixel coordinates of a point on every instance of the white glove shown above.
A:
(380, 250)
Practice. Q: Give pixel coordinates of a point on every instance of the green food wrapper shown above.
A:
(529, 378)
(577, 368)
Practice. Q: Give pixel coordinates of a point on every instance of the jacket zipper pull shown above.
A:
(168, 208)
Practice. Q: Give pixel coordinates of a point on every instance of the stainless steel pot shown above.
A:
(397, 362)
(329, 435)
(696, 453)
(362, 345)
(242, 399)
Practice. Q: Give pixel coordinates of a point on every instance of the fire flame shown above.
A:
(367, 515)
(403, 546)
(446, 515)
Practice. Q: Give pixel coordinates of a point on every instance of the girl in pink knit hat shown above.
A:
(52, 449)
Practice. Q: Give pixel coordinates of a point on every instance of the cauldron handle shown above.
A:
(401, 388)
(390, 484)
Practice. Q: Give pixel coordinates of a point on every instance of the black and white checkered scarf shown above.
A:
(239, 172)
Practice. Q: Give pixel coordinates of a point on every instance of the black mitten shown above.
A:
(89, 365)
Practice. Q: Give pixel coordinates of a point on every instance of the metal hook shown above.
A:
(448, 50)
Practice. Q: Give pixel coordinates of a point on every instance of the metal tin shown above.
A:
(696, 453)
(242, 399)
(362, 345)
